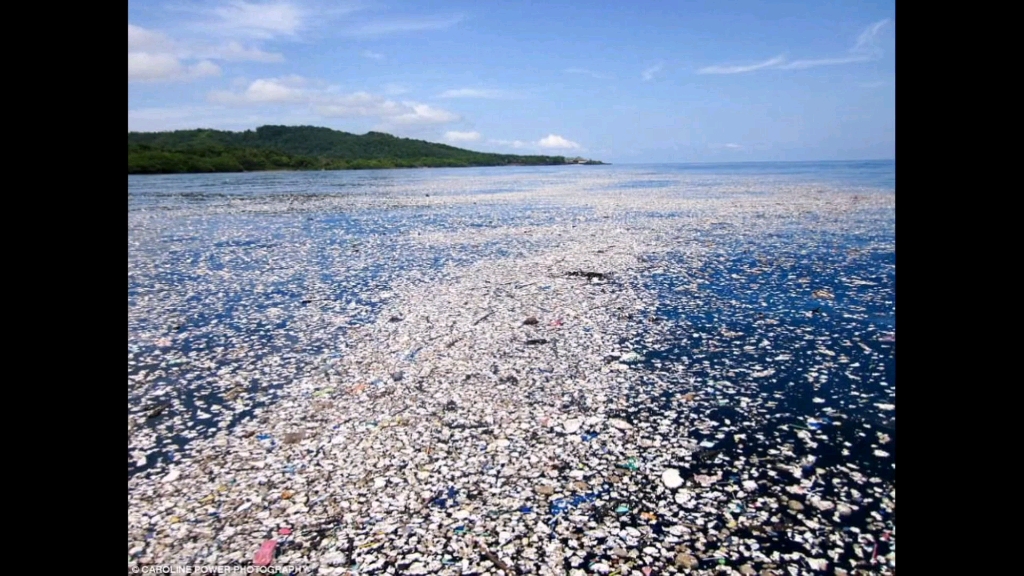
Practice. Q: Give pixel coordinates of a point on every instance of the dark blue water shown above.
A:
(787, 344)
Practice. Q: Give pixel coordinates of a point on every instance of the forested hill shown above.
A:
(299, 148)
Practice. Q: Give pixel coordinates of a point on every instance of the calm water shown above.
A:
(142, 190)
(879, 174)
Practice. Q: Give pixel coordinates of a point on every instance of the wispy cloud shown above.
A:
(154, 56)
(258, 20)
(235, 52)
(867, 42)
(549, 142)
(218, 32)
(475, 93)
(742, 68)
(802, 64)
(400, 25)
(420, 114)
(649, 73)
(865, 49)
(454, 136)
(232, 31)
(149, 41)
(145, 67)
(329, 102)
(591, 73)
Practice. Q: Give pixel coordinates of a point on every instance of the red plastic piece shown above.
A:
(265, 555)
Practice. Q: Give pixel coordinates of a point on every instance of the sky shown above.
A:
(624, 82)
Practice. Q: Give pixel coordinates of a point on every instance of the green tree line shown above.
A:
(299, 148)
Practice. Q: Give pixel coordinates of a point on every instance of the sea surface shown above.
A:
(783, 324)
(223, 270)
(146, 190)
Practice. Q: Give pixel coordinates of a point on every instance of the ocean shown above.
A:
(767, 332)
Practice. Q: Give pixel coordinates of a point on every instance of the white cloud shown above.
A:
(474, 93)
(355, 105)
(399, 25)
(802, 64)
(651, 72)
(556, 141)
(283, 19)
(329, 102)
(204, 68)
(263, 91)
(142, 40)
(146, 67)
(742, 68)
(549, 142)
(231, 30)
(154, 56)
(867, 42)
(422, 114)
(258, 20)
(224, 33)
(865, 49)
(453, 136)
(235, 52)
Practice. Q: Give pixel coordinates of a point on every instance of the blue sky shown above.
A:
(622, 82)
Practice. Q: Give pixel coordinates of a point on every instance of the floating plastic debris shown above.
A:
(344, 357)
(671, 478)
(265, 555)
